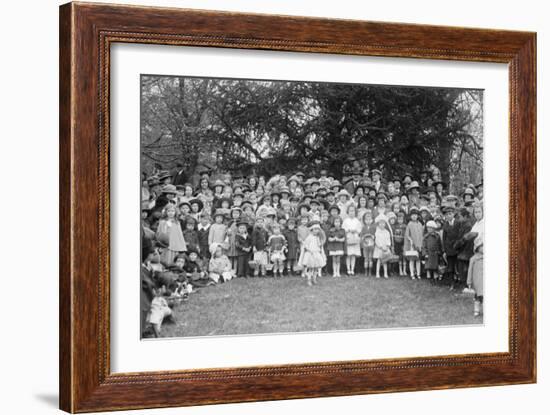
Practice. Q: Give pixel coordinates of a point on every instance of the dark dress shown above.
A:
(243, 248)
(431, 249)
(293, 246)
(336, 246)
(398, 237)
(203, 242)
(192, 240)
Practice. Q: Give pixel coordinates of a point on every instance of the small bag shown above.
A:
(412, 255)
(388, 257)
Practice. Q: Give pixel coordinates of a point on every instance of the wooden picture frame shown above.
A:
(86, 33)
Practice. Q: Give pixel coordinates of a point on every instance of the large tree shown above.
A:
(277, 126)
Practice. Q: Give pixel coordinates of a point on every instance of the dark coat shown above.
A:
(191, 239)
(203, 242)
(432, 249)
(464, 247)
(293, 245)
(259, 238)
(451, 235)
(179, 178)
(243, 245)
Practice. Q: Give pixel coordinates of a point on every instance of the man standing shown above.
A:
(179, 178)
(450, 237)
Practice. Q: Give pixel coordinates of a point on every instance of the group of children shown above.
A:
(284, 226)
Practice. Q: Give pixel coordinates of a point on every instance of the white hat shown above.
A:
(431, 224)
(381, 218)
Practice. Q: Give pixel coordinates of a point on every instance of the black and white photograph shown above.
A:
(276, 207)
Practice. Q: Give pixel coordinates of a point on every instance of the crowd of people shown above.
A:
(225, 227)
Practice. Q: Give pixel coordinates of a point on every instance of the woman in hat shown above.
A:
(413, 193)
(362, 202)
(170, 235)
(431, 249)
(343, 197)
(475, 276)
(352, 226)
(312, 257)
(197, 206)
(187, 193)
(205, 194)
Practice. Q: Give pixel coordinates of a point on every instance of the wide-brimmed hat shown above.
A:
(447, 208)
(335, 183)
(163, 175)
(284, 189)
(300, 174)
(343, 192)
(219, 212)
(246, 202)
(153, 181)
(381, 195)
(169, 189)
(218, 183)
(145, 206)
(324, 203)
(270, 211)
(238, 193)
(265, 196)
(314, 224)
(414, 185)
(332, 207)
(431, 224)
(303, 205)
(406, 175)
(468, 191)
(414, 209)
(293, 178)
(198, 202)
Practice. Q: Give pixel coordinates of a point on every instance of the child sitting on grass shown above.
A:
(219, 267)
(159, 310)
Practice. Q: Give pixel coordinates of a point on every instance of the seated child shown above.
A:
(159, 310)
(220, 266)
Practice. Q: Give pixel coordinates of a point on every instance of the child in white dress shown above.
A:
(313, 257)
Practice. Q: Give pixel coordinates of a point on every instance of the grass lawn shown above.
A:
(267, 305)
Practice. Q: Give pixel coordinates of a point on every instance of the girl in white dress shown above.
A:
(382, 243)
(313, 257)
(352, 226)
